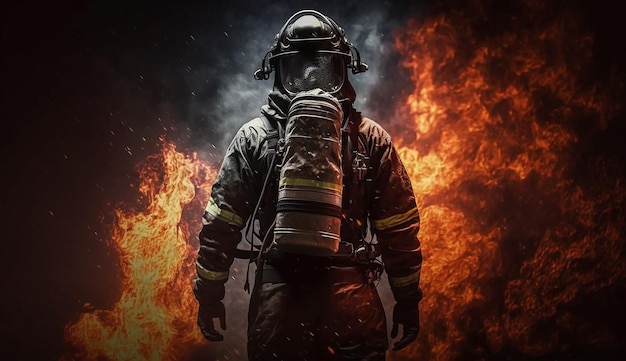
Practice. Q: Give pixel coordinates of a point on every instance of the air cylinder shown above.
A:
(308, 218)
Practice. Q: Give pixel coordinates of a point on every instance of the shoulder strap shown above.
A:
(274, 134)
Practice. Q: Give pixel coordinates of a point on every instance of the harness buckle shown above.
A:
(366, 253)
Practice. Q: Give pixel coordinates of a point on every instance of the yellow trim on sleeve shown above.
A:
(300, 182)
(210, 275)
(222, 214)
(398, 282)
(381, 224)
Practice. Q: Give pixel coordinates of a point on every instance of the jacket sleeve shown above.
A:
(396, 222)
(232, 198)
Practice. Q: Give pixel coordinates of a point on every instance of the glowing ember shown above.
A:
(509, 236)
(155, 316)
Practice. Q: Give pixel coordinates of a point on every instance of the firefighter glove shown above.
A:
(206, 314)
(405, 313)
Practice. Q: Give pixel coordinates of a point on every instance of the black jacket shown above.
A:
(377, 190)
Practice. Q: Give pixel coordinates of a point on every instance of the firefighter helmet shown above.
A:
(310, 51)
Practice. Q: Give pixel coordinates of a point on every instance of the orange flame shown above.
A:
(509, 235)
(154, 318)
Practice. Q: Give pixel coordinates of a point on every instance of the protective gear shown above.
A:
(303, 72)
(206, 314)
(376, 192)
(311, 51)
(381, 193)
(209, 293)
(319, 314)
(308, 219)
(406, 314)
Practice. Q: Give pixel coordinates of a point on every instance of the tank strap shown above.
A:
(275, 133)
(357, 160)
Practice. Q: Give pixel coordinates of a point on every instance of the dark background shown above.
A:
(89, 87)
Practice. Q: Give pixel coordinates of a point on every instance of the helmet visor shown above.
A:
(302, 71)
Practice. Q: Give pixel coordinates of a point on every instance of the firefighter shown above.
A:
(321, 244)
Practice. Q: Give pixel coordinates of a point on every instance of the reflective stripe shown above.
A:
(222, 214)
(300, 182)
(398, 282)
(210, 275)
(393, 221)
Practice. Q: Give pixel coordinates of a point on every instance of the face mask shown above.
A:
(302, 71)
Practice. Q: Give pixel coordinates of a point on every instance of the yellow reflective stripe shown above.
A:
(210, 275)
(398, 282)
(393, 221)
(301, 182)
(222, 214)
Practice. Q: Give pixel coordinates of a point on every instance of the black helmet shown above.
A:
(307, 46)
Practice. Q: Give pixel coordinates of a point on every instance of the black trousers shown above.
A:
(330, 313)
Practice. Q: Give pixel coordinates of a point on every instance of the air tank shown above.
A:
(308, 218)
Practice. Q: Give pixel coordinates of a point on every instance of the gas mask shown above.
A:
(304, 71)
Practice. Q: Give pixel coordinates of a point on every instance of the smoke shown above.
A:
(225, 94)
(193, 69)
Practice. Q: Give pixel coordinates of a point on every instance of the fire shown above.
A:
(514, 239)
(510, 236)
(155, 317)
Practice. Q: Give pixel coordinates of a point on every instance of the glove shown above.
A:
(206, 314)
(406, 314)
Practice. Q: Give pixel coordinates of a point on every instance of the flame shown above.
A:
(154, 318)
(510, 236)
